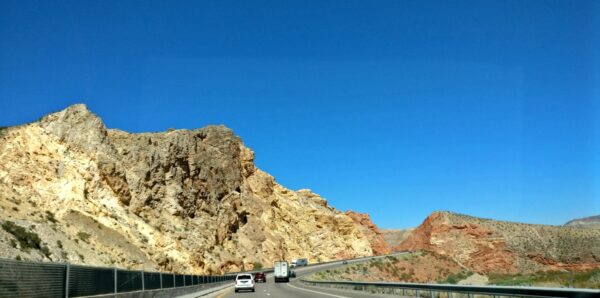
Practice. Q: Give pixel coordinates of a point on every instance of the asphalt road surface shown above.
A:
(295, 288)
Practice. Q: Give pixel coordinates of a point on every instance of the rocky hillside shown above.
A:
(488, 246)
(418, 267)
(191, 201)
(586, 222)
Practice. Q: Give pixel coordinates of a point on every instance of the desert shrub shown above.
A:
(27, 240)
(46, 251)
(455, 278)
(50, 217)
(84, 236)
(3, 130)
(392, 258)
(257, 265)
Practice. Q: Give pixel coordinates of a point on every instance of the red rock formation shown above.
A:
(486, 246)
(469, 244)
(373, 233)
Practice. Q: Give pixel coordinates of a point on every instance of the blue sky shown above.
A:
(395, 108)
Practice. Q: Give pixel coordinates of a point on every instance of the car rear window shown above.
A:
(244, 277)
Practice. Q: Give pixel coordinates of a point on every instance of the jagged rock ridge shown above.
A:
(184, 200)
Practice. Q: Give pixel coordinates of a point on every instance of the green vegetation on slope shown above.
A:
(588, 279)
(455, 278)
(417, 267)
(27, 240)
(427, 267)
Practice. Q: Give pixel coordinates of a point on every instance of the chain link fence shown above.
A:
(33, 279)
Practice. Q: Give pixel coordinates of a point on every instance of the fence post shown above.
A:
(160, 275)
(67, 269)
(143, 285)
(115, 281)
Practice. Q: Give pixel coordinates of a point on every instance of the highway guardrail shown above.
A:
(454, 291)
(38, 279)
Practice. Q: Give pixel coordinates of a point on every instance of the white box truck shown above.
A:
(299, 262)
(281, 272)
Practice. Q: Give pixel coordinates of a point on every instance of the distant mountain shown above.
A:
(586, 222)
(395, 236)
(489, 246)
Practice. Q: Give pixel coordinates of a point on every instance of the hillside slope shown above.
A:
(586, 222)
(185, 200)
(489, 246)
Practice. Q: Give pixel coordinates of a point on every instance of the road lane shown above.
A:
(296, 289)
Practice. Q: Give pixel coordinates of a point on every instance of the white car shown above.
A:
(244, 282)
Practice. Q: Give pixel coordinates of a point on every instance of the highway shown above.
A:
(295, 288)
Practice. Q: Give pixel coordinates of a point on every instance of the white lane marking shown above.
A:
(320, 293)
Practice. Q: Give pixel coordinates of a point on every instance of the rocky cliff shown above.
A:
(375, 236)
(72, 190)
(489, 246)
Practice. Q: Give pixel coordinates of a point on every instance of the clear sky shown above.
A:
(395, 108)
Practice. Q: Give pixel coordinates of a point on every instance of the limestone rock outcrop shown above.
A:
(185, 200)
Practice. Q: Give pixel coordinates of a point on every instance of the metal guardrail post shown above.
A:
(115, 279)
(67, 269)
(143, 285)
(160, 275)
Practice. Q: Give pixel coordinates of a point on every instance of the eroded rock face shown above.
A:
(378, 243)
(184, 200)
(489, 246)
